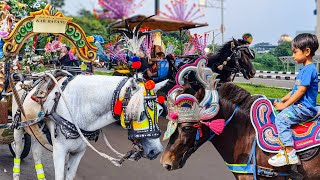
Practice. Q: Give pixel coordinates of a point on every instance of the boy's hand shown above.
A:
(279, 106)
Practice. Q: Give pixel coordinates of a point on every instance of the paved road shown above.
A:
(205, 164)
(267, 82)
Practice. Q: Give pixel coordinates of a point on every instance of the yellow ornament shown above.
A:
(90, 39)
(83, 67)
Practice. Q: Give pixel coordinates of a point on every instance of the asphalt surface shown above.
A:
(267, 82)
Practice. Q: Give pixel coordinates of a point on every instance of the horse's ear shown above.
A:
(234, 43)
(186, 84)
(159, 85)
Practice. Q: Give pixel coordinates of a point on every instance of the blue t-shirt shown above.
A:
(307, 76)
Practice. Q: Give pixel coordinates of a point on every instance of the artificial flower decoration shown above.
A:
(135, 58)
(161, 99)
(136, 65)
(117, 107)
(247, 37)
(149, 85)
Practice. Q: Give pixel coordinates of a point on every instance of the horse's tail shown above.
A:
(135, 105)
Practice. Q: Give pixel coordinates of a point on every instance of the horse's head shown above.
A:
(187, 136)
(182, 143)
(234, 56)
(141, 118)
(188, 109)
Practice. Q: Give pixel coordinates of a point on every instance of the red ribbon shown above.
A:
(198, 126)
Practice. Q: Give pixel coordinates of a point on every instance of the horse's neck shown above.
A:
(214, 62)
(234, 144)
(89, 99)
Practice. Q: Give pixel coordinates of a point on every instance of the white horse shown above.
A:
(86, 102)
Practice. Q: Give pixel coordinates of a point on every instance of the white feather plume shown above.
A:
(134, 44)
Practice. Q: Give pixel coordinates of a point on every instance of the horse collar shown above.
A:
(67, 128)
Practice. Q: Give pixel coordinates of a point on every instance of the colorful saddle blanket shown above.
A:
(262, 115)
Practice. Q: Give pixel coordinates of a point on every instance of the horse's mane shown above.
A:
(135, 104)
(231, 95)
(221, 55)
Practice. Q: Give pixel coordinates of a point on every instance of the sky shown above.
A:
(266, 20)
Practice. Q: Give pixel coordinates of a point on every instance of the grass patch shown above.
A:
(103, 73)
(270, 92)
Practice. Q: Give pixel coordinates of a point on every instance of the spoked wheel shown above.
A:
(26, 148)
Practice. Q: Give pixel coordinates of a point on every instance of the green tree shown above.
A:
(57, 3)
(29, 6)
(91, 25)
(213, 48)
(283, 49)
(174, 39)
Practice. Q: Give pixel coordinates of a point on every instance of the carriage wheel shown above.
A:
(26, 148)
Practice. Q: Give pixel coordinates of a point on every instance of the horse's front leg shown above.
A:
(18, 135)
(59, 156)
(59, 151)
(73, 163)
(37, 154)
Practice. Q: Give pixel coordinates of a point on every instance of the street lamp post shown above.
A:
(157, 7)
(213, 37)
(211, 4)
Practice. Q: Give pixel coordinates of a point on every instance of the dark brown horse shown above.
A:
(234, 144)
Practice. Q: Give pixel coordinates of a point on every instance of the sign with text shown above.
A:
(50, 24)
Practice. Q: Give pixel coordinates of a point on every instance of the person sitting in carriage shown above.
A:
(152, 71)
(300, 104)
(172, 68)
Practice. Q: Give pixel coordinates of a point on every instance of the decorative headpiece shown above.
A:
(185, 107)
(247, 37)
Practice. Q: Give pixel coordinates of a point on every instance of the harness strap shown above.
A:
(253, 168)
(226, 123)
(67, 128)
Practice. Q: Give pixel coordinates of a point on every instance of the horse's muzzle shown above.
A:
(252, 73)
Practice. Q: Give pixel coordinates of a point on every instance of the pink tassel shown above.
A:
(216, 126)
(173, 115)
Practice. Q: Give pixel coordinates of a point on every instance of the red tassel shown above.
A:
(117, 107)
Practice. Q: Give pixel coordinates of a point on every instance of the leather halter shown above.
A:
(236, 54)
(150, 105)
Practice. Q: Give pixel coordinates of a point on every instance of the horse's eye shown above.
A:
(186, 128)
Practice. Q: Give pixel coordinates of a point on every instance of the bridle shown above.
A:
(236, 55)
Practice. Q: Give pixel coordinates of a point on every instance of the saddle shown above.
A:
(46, 85)
(306, 136)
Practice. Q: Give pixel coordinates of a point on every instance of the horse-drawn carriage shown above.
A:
(6, 132)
